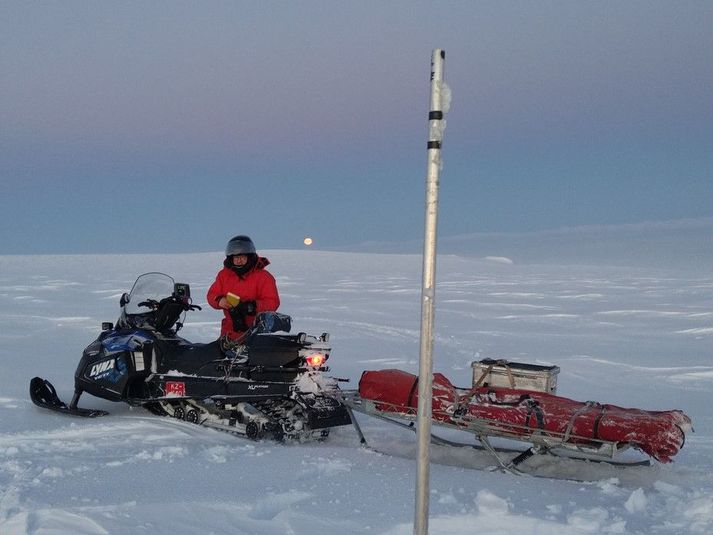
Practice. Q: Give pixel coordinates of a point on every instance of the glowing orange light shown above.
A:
(316, 359)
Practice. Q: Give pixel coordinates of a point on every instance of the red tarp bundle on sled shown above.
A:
(660, 434)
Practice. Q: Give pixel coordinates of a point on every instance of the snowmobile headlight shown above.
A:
(316, 359)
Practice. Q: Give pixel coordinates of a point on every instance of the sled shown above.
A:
(549, 424)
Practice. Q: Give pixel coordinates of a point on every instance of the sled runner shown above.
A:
(549, 423)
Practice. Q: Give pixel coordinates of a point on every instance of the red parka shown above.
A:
(256, 285)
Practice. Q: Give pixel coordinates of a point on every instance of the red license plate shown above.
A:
(175, 388)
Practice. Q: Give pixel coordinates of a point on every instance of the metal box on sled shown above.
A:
(503, 373)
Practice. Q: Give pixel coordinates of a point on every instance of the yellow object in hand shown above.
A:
(233, 300)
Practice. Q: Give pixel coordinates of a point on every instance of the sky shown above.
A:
(172, 126)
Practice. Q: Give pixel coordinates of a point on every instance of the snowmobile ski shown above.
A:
(44, 395)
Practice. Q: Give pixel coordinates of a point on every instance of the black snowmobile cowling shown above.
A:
(269, 383)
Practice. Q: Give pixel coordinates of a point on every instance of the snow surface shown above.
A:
(629, 336)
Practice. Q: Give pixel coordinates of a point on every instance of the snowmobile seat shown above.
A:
(190, 359)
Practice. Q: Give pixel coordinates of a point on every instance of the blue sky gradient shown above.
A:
(171, 126)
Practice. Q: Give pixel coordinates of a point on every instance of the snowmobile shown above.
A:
(518, 402)
(268, 384)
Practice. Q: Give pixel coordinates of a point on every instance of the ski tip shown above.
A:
(42, 393)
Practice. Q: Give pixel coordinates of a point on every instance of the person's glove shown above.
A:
(247, 308)
(240, 312)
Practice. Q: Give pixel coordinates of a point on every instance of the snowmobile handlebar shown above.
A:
(155, 305)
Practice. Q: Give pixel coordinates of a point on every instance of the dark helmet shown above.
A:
(240, 245)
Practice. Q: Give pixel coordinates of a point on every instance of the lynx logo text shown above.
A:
(102, 367)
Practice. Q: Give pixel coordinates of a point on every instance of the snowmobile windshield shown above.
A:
(149, 286)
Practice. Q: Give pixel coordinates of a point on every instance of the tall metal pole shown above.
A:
(428, 293)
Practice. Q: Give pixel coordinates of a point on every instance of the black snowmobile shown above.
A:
(269, 384)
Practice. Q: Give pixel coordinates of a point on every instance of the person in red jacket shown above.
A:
(251, 287)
